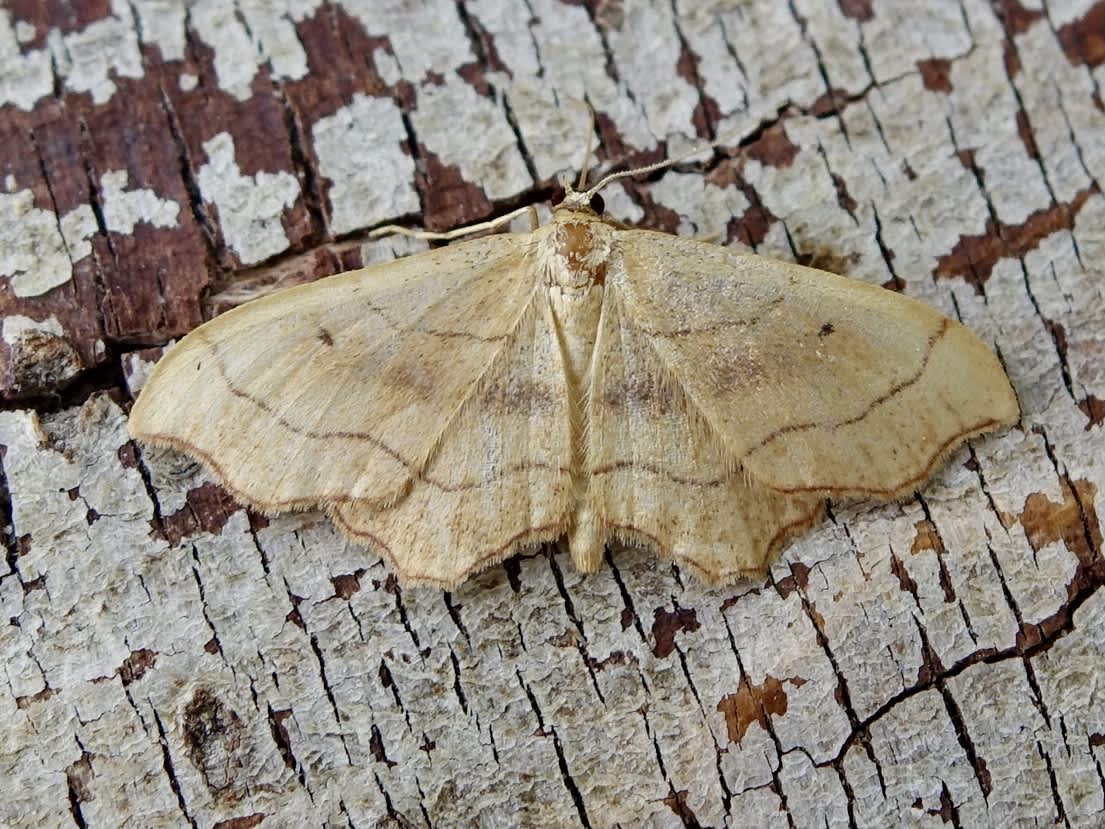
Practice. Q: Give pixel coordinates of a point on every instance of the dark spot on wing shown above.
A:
(642, 394)
(324, 337)
(517, 395)
(826, 330)
(412, 380)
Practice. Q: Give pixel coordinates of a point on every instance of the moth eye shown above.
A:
(597, 204)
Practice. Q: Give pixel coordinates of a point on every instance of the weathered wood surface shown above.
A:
(169, 660)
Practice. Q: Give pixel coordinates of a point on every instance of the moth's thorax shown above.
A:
(575, 252)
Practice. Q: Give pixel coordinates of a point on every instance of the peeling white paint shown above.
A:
(493, 162)
(251, 34)
(38, 249)
(86, 60)
(243, 36)
(620, 205)
(24, 31)
(360, 149)
(704, 209)
(35, 254)
(250, 207)
(217, 24)
(17, 327)
(123, 208)
(24, 78)
(137, 369)
(77, 227)
(557, 64)
(387, 66)
(162, 23)
(433, 22)
(272, 29)
(90, 58)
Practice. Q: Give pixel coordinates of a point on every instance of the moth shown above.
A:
(585, 383)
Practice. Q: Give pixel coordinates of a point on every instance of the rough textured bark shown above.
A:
(170, 660)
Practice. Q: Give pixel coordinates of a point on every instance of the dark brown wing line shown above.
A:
(893, 391)
(365, 437)
(409, 465)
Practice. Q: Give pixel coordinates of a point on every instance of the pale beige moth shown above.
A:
(585, 383)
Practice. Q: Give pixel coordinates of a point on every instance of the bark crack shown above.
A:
(629, 612)
(523, 150)
(147, 482)
(944, 576)
(458, 689)
(706, 112)
(7, 516)
(565, 774)
(732, 51)
(214, 642)
(846, 202)
(831, 94)
(317, 650)
(392, 586)
(610, 64)
(388, 681)
(283, 741)
(581, 636)
(978, 763)
(96, 275)
(170, 770)
(1060, 809)
(533, 21)
(76, 775)
(1077, 151)
(454, 615)
(305, 171)
(859, 732)
(212, 236)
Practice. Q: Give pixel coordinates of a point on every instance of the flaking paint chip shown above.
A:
(583, 382)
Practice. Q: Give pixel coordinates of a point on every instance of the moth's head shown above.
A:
(582, 201)
(589, 201)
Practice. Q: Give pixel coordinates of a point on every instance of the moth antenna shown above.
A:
(456, 233)
(659, 165)
(584, 167)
